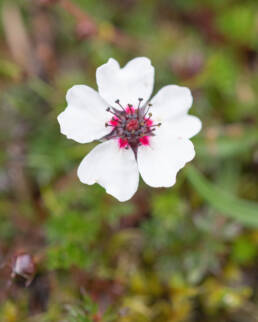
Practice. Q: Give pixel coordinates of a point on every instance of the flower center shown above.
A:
(132, 126)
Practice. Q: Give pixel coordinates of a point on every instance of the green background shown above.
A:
(187, 253)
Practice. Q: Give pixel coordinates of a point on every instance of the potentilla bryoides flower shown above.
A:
(139, 135)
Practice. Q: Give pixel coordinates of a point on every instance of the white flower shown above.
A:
(138, 135)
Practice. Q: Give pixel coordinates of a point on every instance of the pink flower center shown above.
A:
(132, 126)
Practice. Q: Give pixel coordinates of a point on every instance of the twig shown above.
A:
(17, 38)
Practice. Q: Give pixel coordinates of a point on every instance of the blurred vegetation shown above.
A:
(188, 253)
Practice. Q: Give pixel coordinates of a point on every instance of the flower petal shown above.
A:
(113, 168)
(159, 162)
(170, 102)
(135, 80)
(185, 126)
(85, 116)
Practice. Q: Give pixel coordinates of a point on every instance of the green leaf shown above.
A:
(229, 205)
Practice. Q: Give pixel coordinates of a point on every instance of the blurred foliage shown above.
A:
(188, 253)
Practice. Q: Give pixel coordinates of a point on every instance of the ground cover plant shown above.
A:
(71, 252)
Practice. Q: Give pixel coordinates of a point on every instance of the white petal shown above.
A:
(85, 116)
(170, 102)
(113, 168)
(185, 126)
(159, 162)
(135, 80)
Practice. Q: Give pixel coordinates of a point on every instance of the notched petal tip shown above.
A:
(181, 91)
(117, 197)
(127, 83)
(191, 154)
(140, 59)
(197, 125)
(113, 61)
(72, 90)
(60, 119)
(171, 102)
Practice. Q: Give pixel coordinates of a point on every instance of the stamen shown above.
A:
(159, 124)
(150, 115)
(138, 108)
(118, 103)
(130, 108)
(140, 101)
(149, 106)
(117, 115)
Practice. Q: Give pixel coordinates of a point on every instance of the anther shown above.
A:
(140, 100)
(150, 115)
(130, 108)
(149, 105)
(118, 102)
(159, 124)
